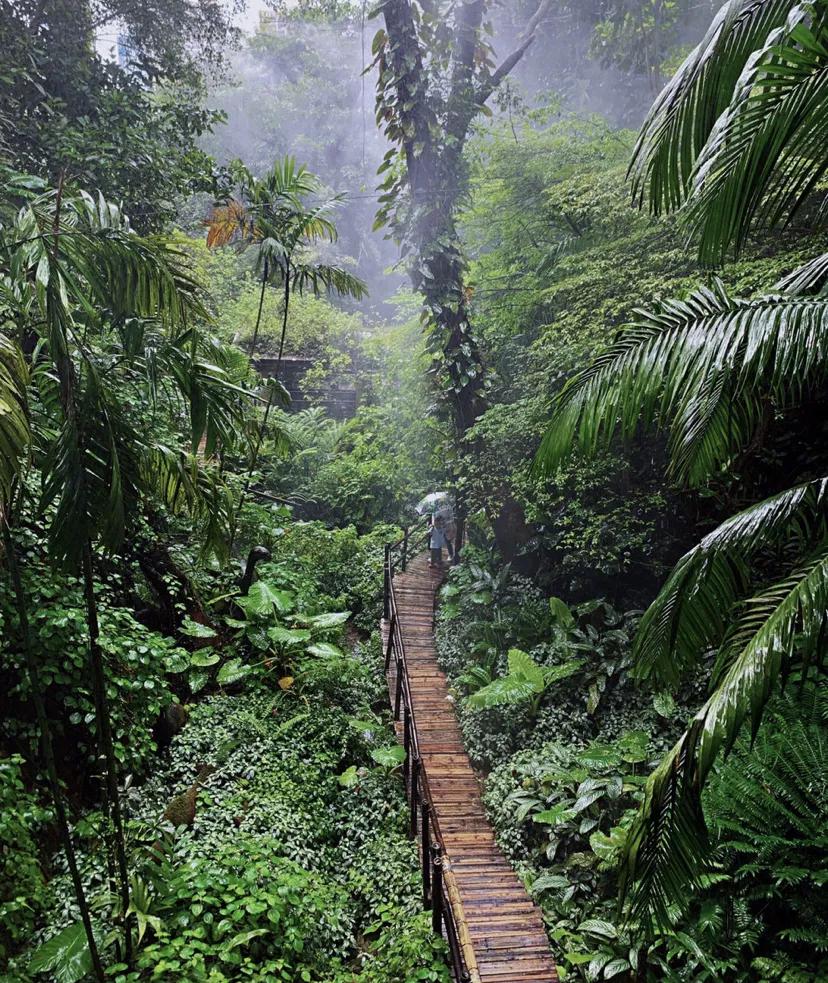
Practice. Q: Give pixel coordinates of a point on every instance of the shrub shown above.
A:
(23, 891)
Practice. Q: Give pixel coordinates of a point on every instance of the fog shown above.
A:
(298, 88)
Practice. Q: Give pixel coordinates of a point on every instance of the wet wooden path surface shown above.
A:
(500, 928)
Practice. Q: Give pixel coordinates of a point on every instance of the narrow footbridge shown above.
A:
(494, 930)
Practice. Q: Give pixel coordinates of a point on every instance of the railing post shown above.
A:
(406, 747)
(390, 646)
(386, 583)
(398, 693)
(437, 889)
(415, 798)
(425, 854)
(405, 550)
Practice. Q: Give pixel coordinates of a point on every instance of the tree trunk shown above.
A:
(284, 324)
(48, 749)
(107, 747)
(255, 339)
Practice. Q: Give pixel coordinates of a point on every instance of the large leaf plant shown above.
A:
(736, 142)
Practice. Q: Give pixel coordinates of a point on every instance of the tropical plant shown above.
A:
(106, 312)
(739, 134)
(525, 681)
(768, 813)
(271, 214)
(735, 136)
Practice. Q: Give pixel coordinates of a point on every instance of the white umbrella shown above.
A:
(437, 503)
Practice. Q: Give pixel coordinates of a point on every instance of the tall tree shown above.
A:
(128, 127)
(271, 214)
(436, 73)
(106, 314)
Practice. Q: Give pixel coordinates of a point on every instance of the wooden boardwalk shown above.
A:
(500, 928)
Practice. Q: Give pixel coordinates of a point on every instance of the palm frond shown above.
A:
(693, 610)
(767, 151)
(186, 484)
(686, 111)
(667, 843)
(15, 433)
(704, 366)
(810, 279)
(333, 279)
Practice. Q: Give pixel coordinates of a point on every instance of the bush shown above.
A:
(23, 890)
(135, 659)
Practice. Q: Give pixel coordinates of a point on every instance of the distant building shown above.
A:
(339, 404)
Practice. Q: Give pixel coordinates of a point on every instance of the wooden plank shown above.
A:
(501, 928)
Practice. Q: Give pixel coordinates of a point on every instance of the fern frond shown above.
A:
(702, 366)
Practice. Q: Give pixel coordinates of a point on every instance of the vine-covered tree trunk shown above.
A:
(432, 84)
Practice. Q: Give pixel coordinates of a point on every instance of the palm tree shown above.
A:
(272, 215)
(737, 141)
(108, 312)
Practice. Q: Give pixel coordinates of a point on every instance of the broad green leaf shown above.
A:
(615, 967)
(504, 691)
(197, 680)
(288, 636)
(349, 777)
(65, 955)
(196, 630)
(549, 882)
(633, 746)
(664, 704)
(553, 817)
(204, 658)
(599, 928)
(389, 757)
(324, 650)
(231, 672)
(263, 600)
(330, 619)
(235, 623)
(521, 664)
(561, 613)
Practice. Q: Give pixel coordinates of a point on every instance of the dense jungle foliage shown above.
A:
(589, 300)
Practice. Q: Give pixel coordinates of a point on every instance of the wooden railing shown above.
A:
(423, 821)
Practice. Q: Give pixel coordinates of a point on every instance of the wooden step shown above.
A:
(505, 941)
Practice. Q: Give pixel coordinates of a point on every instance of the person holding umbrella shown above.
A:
(441, 510)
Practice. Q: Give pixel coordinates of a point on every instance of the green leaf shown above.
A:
(349, 777)
(561, 614)
(615, 967)
(231, 672)
(263, 600)
(204, 658)
(553, 817)
(664, 705)
(196, 630)
(244, 937)
(65, 955)
(330, 619)
(549, 882)
(389, 757)
(599, 928)
(324, 650)
(521, 664)
(198, 680)
(288, 636)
